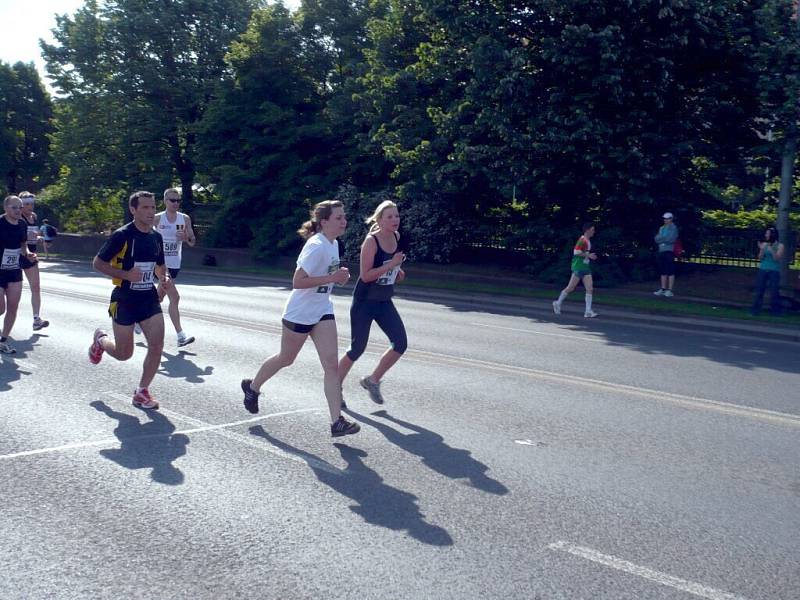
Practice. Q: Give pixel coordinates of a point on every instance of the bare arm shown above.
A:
(190, 237)
(105, 268)
(367, 272)
(303, 281)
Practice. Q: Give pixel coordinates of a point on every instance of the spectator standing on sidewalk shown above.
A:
(665, 238)
(770, 253)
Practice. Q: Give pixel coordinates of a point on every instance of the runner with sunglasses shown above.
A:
(176, 228)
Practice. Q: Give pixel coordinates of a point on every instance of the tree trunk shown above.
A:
(785, 201)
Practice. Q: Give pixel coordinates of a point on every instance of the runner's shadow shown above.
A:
(377, 503)
(150, 445)
(455, 463)
(10, 371)
(177, 365)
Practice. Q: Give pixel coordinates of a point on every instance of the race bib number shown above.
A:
(325, 289)
(33, 233)
(10, 259)
(389, 277)
(171, 248)
(146, 282)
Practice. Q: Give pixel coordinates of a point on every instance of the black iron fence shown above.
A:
(731, 247)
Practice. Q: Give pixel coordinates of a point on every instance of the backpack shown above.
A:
(52, 231)
(677, 248)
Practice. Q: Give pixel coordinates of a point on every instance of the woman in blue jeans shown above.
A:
(770, 253)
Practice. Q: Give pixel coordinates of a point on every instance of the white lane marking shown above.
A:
(691, 587)
(528, 443)
(562, 335)
(202, 426)
(24, 364)
(198, 429)
(687, 401)
(9, 358)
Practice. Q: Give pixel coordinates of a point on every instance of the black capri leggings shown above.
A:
(362, 314)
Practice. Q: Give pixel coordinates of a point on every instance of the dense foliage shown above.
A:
(493, 123)
(26, 115)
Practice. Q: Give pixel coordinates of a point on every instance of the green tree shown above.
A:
(777, 59)
(26, 114)
(147, 72)
(265, 140)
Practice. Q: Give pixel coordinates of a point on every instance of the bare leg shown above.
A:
(32, 274)
(174, 313)
(345, 364)
(291, 343)
(121, 347)
(670, 282)
(387, 361)
(327, 344)
(153, 330)
(10, 304)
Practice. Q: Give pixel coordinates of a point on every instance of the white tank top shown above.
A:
(173, 247)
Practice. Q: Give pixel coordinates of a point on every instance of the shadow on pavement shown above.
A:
(746, 352)
(178, 366)
(377, 503)
(455, 463)
(149, 445)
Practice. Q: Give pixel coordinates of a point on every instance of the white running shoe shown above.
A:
(589, 314)
(668, 293)
(659, 292)
(556, 307)
(185, 341)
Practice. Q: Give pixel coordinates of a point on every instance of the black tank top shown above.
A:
(32, 246)
(382, 289)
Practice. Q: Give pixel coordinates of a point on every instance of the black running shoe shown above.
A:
(250, 396)
(39, 324)
(344, 427)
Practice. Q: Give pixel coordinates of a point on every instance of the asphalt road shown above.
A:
(517, 456)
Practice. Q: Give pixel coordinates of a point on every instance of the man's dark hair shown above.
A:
(586, 227)
(133, 201)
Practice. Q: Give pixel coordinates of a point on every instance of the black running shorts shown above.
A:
(128, 313)
(11, 276)
(300, 328)
(24, 263)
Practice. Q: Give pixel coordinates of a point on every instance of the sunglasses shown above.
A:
(173, 199)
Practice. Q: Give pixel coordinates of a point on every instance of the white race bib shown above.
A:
(146, 282)
(389, 277)
(10, 259)
(171, 247)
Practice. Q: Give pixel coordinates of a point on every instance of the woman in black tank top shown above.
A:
(372, 298)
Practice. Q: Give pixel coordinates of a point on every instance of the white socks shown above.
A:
(561, 297)
(588, 300)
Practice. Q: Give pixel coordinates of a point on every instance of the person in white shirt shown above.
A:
(309, 312)
(176, 228)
